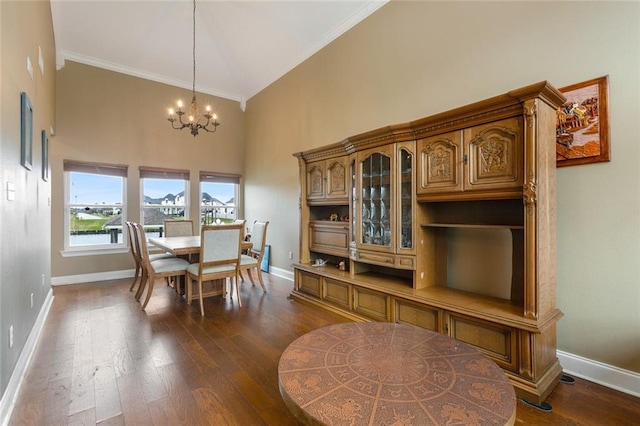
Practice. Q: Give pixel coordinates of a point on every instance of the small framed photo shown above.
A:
(582, 123)
(45, 156)
(26, 131)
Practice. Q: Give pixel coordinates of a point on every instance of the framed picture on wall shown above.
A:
(582, 123)
(45, 156)
(26, 131)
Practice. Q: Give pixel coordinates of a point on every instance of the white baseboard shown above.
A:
(600, 373)
(89, 278)
(118, 275)
(575, 365)
(15, 382)
(282, 273)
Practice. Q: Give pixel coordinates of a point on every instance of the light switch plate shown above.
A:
(40, 60)
(29, 68)
(11, 191)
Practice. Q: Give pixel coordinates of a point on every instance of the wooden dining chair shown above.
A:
(219, 259)
(178, 228)
(253, 259)
(135, 253)
(172, 267)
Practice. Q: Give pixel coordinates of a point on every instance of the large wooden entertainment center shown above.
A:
(447, 223)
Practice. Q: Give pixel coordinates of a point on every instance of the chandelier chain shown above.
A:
(194, 47)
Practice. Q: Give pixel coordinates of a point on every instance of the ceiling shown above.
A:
(241, 46)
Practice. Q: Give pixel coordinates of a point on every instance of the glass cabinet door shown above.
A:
(376, 206)
(405, 163)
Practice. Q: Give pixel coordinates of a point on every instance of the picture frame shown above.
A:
(45, 156)
(582, 123)
(26, 131)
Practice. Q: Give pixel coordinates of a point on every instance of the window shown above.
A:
(218, 197)
(95, 197)
(164, 196)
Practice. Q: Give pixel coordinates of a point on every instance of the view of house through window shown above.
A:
(218, 195)
(96, 196)
(95, 204)
(164, 197)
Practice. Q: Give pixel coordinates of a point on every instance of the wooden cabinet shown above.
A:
(486, 157)
(376, 211)
(384, 206)
(324, 204)
(337, 293)
(309, 284)
(451, 228)
(327, 180)
(497, 341)
(407, 312)
(329, 237)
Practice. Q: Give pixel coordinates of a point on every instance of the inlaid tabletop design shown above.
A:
(392, 374)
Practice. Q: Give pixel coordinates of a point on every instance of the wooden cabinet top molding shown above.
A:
(507, 105)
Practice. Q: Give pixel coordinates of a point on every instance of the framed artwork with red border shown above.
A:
(582, 123)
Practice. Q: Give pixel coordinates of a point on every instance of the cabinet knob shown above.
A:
(465, 159)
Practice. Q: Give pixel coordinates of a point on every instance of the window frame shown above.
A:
(213, 177)
(146, 172)
(102, 169)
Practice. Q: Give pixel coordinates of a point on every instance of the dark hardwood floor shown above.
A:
(102, 360)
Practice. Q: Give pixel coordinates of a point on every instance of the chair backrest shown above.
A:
(220, 244)
(259, 237)
(133, 242)
(178, 228)
(141, 242)
(240, 222)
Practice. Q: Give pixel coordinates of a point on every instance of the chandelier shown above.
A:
(195, 121)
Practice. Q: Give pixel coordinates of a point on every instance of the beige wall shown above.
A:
(25, 221)
(109, 117)
(414, 59)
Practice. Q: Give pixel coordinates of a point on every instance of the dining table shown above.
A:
(186, 245)
(189, 248)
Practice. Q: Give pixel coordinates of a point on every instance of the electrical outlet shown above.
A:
(290, 255)
(31, 300)
(10, 336)
(43, 279)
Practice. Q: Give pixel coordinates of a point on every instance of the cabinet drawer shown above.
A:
(410, 313)
(329, 237)
(309, 284)
(337, 293)
(371, 304)
(373, 258)
(496, 341)
(405, 262)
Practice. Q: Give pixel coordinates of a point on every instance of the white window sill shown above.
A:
(93, 251)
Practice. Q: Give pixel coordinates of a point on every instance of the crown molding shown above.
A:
(63, 56)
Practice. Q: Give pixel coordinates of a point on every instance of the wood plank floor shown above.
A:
(102, 360)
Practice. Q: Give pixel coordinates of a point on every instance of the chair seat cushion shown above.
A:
(246, 260)
(194, 269)
(168, 265)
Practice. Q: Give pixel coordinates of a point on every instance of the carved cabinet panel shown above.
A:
(327, 179)
(315, 180)
(494, 155)
(440, 161)
(337, 183)
(479, 158)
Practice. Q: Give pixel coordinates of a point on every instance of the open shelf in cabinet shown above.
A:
(476, 247)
